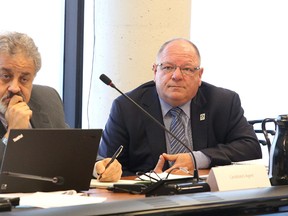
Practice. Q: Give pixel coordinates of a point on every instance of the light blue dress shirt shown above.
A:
(201, 159)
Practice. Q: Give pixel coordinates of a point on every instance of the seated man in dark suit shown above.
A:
(22, 104)
(212, 120)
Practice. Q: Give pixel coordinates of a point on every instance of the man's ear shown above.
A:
(154, 69)
(200, 76)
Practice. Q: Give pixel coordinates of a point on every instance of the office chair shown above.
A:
(262, 137)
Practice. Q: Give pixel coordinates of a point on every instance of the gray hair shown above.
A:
(12, 43)
(175, 39)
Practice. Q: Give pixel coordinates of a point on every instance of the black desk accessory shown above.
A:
(6, 204)
(176, 186)
(128, 188)
(162, 187)
(278, 157)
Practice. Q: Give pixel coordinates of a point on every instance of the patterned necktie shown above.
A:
(177, 128)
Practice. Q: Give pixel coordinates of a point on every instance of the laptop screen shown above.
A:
(34, 158)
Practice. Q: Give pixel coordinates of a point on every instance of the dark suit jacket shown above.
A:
(47, 110)
(224, 135)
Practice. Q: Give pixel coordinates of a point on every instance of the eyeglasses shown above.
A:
(167, 67)
(152, 176)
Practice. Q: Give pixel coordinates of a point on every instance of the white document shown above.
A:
(48, 200)
(53, 199)
(97, 184)
(253, 162)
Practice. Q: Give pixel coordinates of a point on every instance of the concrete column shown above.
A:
(128, 35)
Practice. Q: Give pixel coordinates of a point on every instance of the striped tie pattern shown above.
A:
(177, 128)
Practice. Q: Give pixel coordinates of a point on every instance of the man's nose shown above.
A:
(14, 86)
(177, 74)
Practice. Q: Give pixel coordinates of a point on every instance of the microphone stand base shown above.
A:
(176, 186)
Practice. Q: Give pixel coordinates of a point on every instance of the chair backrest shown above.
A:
(257, 125)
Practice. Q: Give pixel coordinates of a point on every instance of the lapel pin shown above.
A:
(202, 116)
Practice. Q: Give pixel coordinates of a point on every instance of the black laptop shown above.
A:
(49, 160)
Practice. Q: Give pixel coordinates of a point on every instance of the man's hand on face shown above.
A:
(18, 113)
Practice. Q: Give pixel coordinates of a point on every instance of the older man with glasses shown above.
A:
(204, 119)
(24, 105)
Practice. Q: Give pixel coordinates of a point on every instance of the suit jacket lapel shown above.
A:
(2, 130)
(199, 121)
(155, 134)
(39, 118)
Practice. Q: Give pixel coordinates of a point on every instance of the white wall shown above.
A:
(243, 44)
(244, 47)
(43, 20)
(128, 35)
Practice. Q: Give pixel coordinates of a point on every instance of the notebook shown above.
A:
(49, 160)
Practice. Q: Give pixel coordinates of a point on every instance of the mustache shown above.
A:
(11, 94)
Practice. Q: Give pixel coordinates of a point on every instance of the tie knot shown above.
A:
(176, 111)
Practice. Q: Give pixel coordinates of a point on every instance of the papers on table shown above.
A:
(53, 199)
(252, 162)
(47, 200)
(97, 184)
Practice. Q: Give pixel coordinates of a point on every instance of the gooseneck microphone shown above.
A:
(165, 187)
(59, 180)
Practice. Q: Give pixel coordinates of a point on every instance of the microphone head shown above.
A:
(106, 80)
(59, 180)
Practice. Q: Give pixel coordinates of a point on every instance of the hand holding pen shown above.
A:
(115, 156)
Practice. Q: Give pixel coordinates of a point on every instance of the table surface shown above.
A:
(111, 196)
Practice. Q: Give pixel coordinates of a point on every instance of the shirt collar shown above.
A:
(165, 107)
